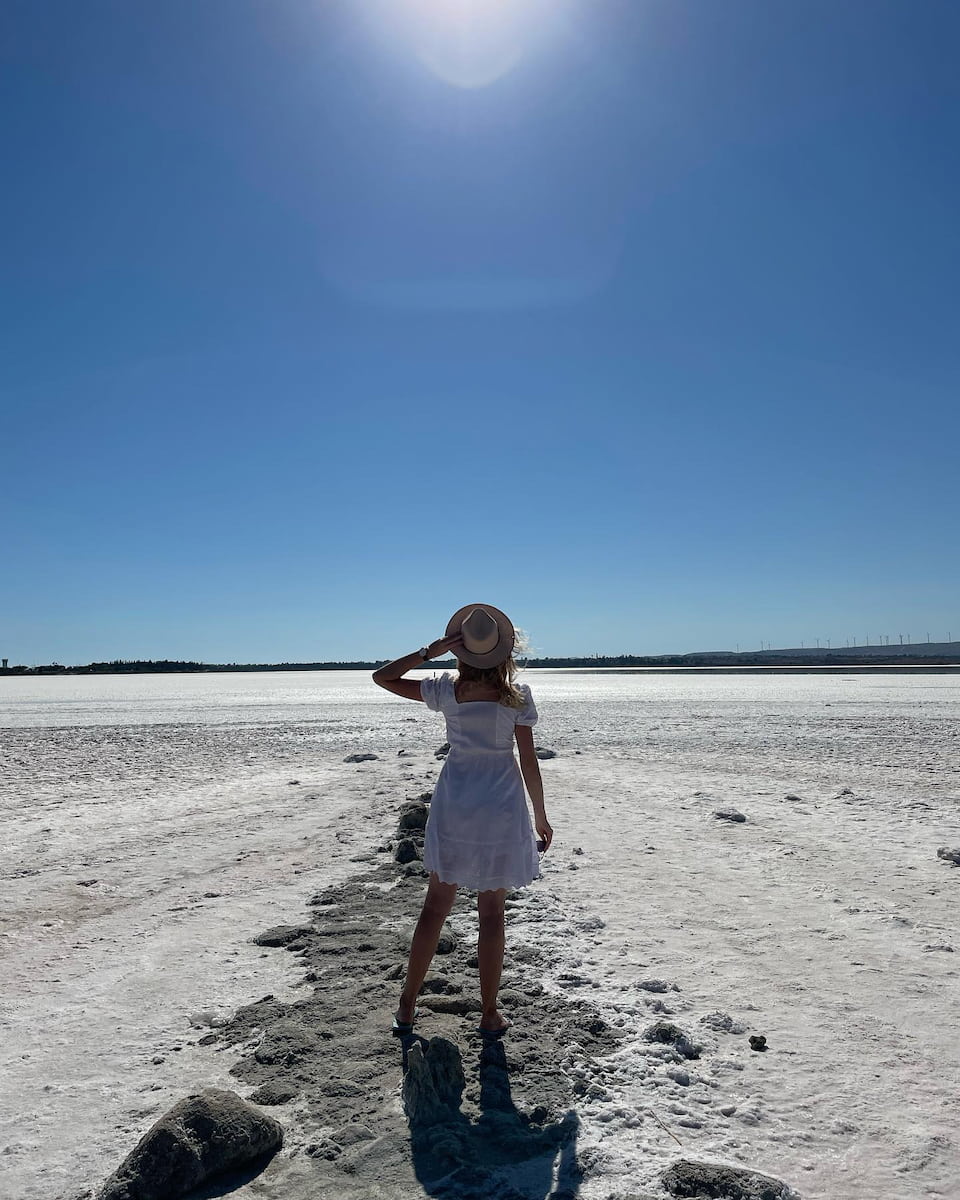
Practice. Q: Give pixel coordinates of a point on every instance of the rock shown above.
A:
(326, 1149)
(590, 924)
(721, 1022)
(203, 1135)
(282, 935)
(274, 1093)
(950, 855)
(727, 1110)
(443, 751)
(944, 946)
(448, 941)
(757, 1042)
(357, 758)
(672, 1035)
(654, 985)
(700, 1181)
(439, 986)
(680, 1076)
(793, 796)
(406, 851)
(413, 817)
(460, 1006)
(294, 783)
(351, 1135)
(730, 814)
(434, 1083)
(543, 753)
(286, 1042)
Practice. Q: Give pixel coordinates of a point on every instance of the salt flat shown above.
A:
(150, 828)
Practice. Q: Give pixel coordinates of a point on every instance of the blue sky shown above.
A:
(321, 319)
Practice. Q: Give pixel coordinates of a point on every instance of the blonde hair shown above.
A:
(502, 677)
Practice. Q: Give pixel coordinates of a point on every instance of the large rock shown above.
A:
(406, 851)
(203, 1135)
(714, 1181)
(413, 817)
(950, 854)
(434, 1082)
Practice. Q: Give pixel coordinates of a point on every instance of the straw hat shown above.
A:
(488, 635)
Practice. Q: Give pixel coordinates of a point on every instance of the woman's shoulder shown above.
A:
(526, 714)
(436, 690)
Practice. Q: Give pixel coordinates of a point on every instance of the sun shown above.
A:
(469, 43)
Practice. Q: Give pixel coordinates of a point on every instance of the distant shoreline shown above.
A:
(942, 658)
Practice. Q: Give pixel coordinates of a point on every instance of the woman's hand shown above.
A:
(440, 647)
(544, 832)
(390, 675)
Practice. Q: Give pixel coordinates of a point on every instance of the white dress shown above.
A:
(479, 833)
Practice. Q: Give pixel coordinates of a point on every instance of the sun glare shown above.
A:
(468, 43)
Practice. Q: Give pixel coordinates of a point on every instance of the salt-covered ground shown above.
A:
(139, 860)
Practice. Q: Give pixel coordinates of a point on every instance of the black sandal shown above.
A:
(403, 1028)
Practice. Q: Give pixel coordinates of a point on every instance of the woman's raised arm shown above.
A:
(390, 675)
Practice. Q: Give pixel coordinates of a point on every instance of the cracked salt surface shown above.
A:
(140, 858)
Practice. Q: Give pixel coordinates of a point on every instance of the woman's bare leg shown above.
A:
(436, 908)
(490, 955)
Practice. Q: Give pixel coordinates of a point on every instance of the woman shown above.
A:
(478, 834)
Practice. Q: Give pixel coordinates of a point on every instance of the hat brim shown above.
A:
(501, 651)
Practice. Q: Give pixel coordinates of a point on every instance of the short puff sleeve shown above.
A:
(528, 714)
(431, 691)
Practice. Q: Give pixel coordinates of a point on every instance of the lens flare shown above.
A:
(470, 43)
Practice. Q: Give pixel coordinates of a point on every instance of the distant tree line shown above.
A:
(165, 666)
(758, 659)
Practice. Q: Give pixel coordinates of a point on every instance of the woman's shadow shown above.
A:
(504, 1152)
